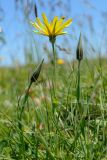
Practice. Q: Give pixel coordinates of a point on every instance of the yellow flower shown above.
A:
(51, 29)
(60, 61)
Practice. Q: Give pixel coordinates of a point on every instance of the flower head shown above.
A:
(60, 61)
(51, 29)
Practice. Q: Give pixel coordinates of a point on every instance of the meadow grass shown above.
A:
(54, 127)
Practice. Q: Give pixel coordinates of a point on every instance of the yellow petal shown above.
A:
(67, 23)
(54, 20)
(53, 24)
(41, 25)
(60, 33)
(40, 32)
(59, 23)
(35, 25)
(64, 25)
(45, 20)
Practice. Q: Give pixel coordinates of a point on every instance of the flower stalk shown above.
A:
(52, 41)
(54, 71)
(34, 77)
(79, 55)
(78, 83)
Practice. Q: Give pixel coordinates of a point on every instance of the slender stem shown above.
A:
(20, 119)
(78, 83)
(54, 56)
(23, 105)
(54, 72)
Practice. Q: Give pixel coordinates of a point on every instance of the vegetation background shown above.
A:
(36, 124)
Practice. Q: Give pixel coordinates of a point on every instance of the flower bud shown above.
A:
(36, 73)
(35, 10)
(79, 51)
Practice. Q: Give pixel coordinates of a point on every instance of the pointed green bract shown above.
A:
(36, 73)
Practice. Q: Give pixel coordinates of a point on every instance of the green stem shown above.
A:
(78, 83)
(23, 105)
(54, 72)
(22, 148)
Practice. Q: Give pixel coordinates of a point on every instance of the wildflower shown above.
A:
(60, 61)
(51, 29)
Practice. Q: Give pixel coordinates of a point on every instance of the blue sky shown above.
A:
(15, 30)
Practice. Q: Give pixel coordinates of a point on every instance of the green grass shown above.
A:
(54, 127)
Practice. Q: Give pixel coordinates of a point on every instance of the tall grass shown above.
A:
(54, 128)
